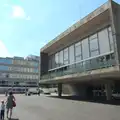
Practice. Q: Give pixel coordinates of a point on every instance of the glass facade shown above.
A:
(14, 70)
(61, 58)
(71, 54)
(78, 51)
(104, 41)
(5, 61)
(85, 49)
(57, 59)
(4, 68)
(26, 63)
(94, 49)
(92, 46)
(66, 59)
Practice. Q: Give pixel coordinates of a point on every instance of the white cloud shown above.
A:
(18, 12)
(3, 50)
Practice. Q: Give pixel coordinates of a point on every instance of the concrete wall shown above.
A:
(43, 63)
(115, 21)
(117, 27)
(75, 89)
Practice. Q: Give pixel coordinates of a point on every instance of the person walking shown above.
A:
(10, 103)
(2, 109)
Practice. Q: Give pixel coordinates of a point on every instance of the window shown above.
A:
(57, 60)
(104, 41)
(93, 45)
(2, 67)
(94, 53)
(36, 77)
(66, 56)
(71, 54)
(35, 70)
(94, 49)
(21, 62)
(30, 69)
(27, 69)
(50, 62)
(78, 51)
(24, 76)
(85, 48)
(33, 77)
(61, 58)
(30, 76)
(53, 61)
(24, 69)
(4, 60)
(10, 68)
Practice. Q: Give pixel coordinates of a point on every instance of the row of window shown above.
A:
(18, 69)
(5, 61)
(22, 76)
(18, 62)
(23, 62)
(99, 43)
(23, 69)
(17, 83)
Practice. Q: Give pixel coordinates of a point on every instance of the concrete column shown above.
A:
(108, 91)
(59, 89)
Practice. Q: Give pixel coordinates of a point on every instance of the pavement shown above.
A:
(50, 108)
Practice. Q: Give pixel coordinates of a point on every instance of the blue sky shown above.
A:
(27, 25)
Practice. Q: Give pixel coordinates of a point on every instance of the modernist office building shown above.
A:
(18, 73)
(85, 58)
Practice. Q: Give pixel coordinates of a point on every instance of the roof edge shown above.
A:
(84, 20)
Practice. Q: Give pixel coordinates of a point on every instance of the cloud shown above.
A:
(18, 12)
(3, 50)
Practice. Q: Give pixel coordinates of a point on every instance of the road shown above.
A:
(47, 108)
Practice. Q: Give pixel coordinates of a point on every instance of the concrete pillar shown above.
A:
(59, 89)
(108, 91)
(79, 90)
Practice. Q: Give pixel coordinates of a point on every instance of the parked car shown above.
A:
(27, 93)
(46, 91)
(116, 96)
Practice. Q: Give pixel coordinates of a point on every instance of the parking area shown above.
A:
(50, 108)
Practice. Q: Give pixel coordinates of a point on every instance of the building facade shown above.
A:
(85, 58)
(18, 73)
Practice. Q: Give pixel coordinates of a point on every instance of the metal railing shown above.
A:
(85, 66)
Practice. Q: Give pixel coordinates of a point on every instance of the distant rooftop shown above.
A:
(32, 57)
(29, 57)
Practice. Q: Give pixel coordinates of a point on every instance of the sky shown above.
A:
(27, 25)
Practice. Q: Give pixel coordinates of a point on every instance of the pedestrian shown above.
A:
(10, 103)
(6, 93)
(2, 109)
(39, 92)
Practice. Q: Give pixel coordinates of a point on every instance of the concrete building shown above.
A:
(18, 74)
(85, 58)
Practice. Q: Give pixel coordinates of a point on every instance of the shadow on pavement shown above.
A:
(14, 119)
(95, 100)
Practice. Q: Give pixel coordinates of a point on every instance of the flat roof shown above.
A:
(90, 16)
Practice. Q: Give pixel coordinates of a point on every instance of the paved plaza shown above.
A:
(48, 108)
